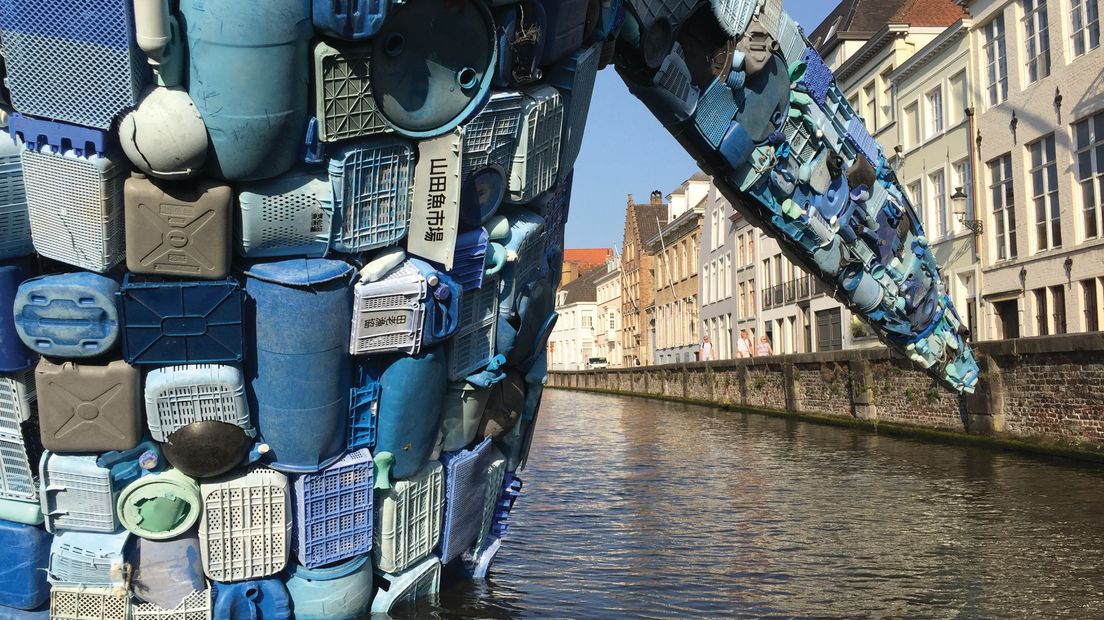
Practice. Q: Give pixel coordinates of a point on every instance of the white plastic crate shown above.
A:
(87, 558)
(790, 40)
(388, 313)
(525, 250)
(177, 396)
(537, 158)
(491, 137)
(290, 215)
(343, 101)
(74, 602)
(76, 494)
(407, 587)
(17, 404)
(75, 205)
(17, 400)
(408, 519)
(473, 345)
(245, 529)
(195, 606)
(16, 240)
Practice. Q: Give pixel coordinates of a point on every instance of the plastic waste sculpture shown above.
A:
(276, 277)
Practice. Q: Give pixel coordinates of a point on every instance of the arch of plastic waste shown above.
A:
(276, 276)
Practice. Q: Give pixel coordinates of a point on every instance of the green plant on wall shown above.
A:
(932, 395)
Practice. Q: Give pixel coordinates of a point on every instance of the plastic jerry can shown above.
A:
(463, 409)
(14, 355)
(260, 599)
(442, 304)
(181, 322)
(290, 215)
(249, 69)
(89, 558)
(68, 315)
(300, 376)
(245, 529)
(408, 520)
(178, 229)
(338, 592)
(24, 555)
(333, 511)
(159, 506)
(465, 492)
(403, 590)
(349, 19)
(164, 572)
(412, 390)
(88, 407)
(16, 240)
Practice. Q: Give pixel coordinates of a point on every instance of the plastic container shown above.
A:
(735, 15)
(432, 64)
(248, 76)
(349, 19)
(473, 346)
(174, 323)
(470, 258)
(339, 592)
(525, 250)
(177, 396)
(372, 183)
(78, 493)
(343, 102)
(463, 409)
(178, 229)
(245, 530)
(76, 602)
(496, 473)
(865, 143)
(89, 558)
(75, 206)
(68, 315)
(290, 215)
(164, 572)
(89, 407)
(536, 163)
(160, 506)
(715, 112)
(263, 599)
(364, 399)
(14, 221)
(408, 520)
(17, 403)
(195, 606)
(28, 513)
(388, 314)
(164, 136)
(490, 139)
(300, 375)
(565, 31)
(24, 552)
(36, 133)
(333, 511)
(574, 78)
(412, 391)
(465, 494)
(398, 591)
(482, 191)
(14, 355)
(72, 60)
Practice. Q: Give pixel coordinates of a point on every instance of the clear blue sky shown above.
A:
(626, 151)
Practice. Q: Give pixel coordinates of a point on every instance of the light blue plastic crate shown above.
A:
(290, 215)
(473, 345)
(402, 590)
(716, 109)
(89, 558)
(492, 136)
(364, 405)
(735, 15)
(342, 591)
(14, 220)
(72, 60)
(76, 494)
(575, 78)
(372, 183)
(333, 511)
(177, 396)
(17, 406)
(525, 251)
(465, 493)
(860, 137)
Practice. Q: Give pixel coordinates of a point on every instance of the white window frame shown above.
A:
(933, 105)
(1084, 26)
(870, 105)
(958, 100)
(1002, 193)
(937, 202)
(912, 125)
(996, 61)
(1043, 174)
(1090, 174)
(1036, 23)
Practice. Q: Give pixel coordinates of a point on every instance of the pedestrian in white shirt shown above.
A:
(743, 345)
(706, 349)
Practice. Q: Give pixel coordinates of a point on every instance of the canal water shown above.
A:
(643, 509)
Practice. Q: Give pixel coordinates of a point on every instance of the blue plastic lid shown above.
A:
(300, 271)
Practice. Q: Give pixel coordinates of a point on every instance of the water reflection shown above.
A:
(643, 509)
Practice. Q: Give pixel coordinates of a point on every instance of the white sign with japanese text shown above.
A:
(436, 209)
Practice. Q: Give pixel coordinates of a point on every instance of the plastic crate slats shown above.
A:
(465, 494)
(177, 396)
(81, 603)
(245, 528)
(372, 187)
(333, 511)
(408, 520)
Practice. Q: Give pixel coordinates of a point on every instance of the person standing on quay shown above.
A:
(744, 347)
(764, 347)
(706, 349)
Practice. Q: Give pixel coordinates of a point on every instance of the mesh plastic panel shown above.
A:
(716, 109)
(577, 82)
(465, 495)
(468, 264)
(88, 559)
(72, 60)
(372, 186)
(675, 10)
(472, 347)
(790, 39)
(364, 407)
(802, 141)
(80, 603)
(408, 520)
(818, 77)
(674, 77)
(840, 113)
(388, 313)
(735, 15)
(76, 208)
(344, 102)
(491, 137)
(246, 526)
(17, 404)
(177, 396)
(556, 203)
(537, 158)
(195, 606)
(287, 216)
(17, 398)
(16, 240)
(860, 137)
(333, 511)
(76, 494)
(496, 470)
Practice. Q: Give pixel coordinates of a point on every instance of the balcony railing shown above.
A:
(794, 291)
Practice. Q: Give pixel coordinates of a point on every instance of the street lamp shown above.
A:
(958, 203)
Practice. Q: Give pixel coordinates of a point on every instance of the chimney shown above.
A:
(657, 197)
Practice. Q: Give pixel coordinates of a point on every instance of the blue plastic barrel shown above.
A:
(261, 599)
(248, 74)
(337, 592)
(299, 319)
(24, 555)
(412, 391)
(14, 355)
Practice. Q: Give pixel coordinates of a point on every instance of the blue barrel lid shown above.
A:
(300, 271)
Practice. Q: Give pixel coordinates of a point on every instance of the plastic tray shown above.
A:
(407, 587)
(408, 520)
(24, 551)
(465, 494)
(195, 606)
(75, 205)
(536, 162)
(177, 396)
(68, 315)
(290, 215)
(90, 559)
(716, 109)
(75, 602)
(245, 530)
(364, 406)
(574, 78)
(88, 407)
(181, 322)
(16, 240)
(333, 511)
(473, 346)
(372, 184)
(343, 91)
(388, 314)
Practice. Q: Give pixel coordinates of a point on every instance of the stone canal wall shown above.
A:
(1044, 394)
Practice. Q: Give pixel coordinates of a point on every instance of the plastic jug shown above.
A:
(260, 599)
(166, 571)
(24, 554)
(89, 407)
(68, 315)
(249, 70)
(338, 592)
(300, 376)
(412, 391)
(14, 355)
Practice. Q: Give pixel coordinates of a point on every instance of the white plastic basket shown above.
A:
(537, 158)
(16, 240)
(408, 519)
(76, 494)
(177, 396)
(87, 558)
(287, 216)
(74, 602)
(195, 606)
(388, 313)
(245, 529)
(491, 137)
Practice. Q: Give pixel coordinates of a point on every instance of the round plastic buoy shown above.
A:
(164, 136)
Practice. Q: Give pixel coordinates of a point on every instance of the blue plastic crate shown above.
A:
(258, 599)
(364, 405)
(402, 590)
(511, 489)
(89, 558)
(14, 219)
(349, 19)
(575, 78)
(473, 345)
(468, 260)
(553, 207)
(465, 493)
(173, 323)
(333, 511)
(24, 553)
(716, 109)
(36, 133)
(491, 137)
(290, 215)
(860, 137)
(78, 492)
(70, 315)
(525, 249)
(72, 60)
(818, 77)
(372, 183)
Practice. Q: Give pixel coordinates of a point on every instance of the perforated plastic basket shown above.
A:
(715, 112)
(72, 60)
(333, 511)
(496, 472)
(91, 559)
(343, 93)
(473, 345)
(75, 205)
(195, 606)
(537, 158)
(75, 602)
(735, 15)
(408, 519)
(181, 322)
(17, 402)
(788, 33)
(177, 396)
(290, 215)
(491, 137)
(372, 185)
(364, 406)
(76, 494)
(16, 240)
(405, 588)
(388, 314)
(465, 494)
(245, 530)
